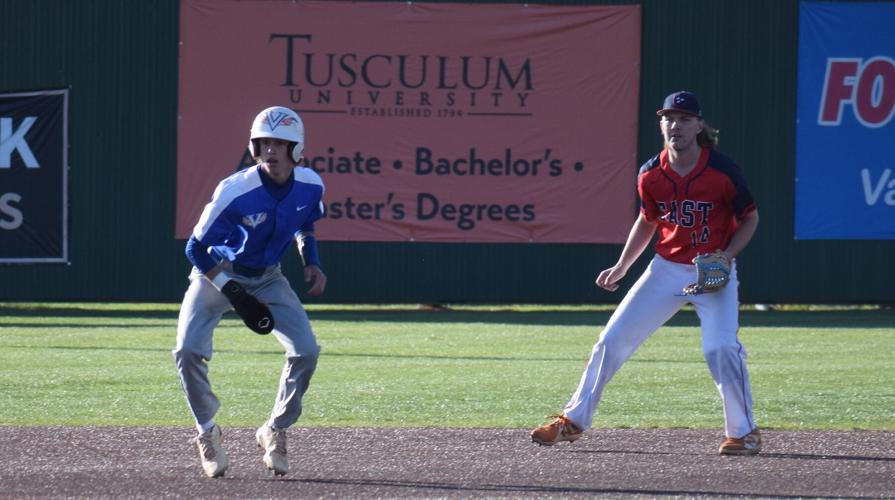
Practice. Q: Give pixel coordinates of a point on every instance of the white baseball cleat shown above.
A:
(214, 460)
(273, 442)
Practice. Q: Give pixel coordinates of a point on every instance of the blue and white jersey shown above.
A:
(245, 224)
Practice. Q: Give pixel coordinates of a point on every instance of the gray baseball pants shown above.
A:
(202, 308)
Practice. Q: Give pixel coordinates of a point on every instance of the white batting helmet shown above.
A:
(281, 123)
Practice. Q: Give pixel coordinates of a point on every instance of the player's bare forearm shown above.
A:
(638, 238)
(641, 233)
(744, 234)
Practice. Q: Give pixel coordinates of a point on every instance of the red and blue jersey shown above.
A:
(251, 222)
(696, 213)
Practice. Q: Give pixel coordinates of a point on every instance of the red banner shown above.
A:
(427, 122)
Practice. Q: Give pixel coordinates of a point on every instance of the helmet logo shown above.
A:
(276, 118)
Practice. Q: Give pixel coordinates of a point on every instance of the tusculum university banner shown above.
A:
(34, 177)
(845, 176)
(435, 122)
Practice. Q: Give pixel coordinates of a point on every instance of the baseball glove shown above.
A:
(712, 273)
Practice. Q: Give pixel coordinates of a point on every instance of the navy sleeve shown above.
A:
(307, 227)
(307, 248)
(197, 253)
(743, 202)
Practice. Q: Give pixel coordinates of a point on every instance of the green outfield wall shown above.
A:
(119, 58)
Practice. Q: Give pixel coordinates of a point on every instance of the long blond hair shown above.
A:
(708, 138)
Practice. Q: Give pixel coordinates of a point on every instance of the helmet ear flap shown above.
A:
(252, 149)
(297, 152)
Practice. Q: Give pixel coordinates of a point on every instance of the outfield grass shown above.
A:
(90, 364)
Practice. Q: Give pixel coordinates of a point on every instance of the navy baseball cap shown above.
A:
(681, 101)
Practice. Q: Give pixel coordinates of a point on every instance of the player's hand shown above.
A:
(609, 278)
(317, 278)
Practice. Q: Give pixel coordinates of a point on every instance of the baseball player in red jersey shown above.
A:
(698, 201)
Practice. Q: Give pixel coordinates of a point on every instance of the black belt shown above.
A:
(247, 271)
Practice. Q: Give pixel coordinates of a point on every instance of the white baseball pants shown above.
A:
(653, 300)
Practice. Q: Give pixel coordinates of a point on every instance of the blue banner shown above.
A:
(845, 172)
(34, 177)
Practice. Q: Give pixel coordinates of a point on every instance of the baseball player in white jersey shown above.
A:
(253, 217)
(698, 201)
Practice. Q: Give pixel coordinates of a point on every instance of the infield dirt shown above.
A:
(129, 462)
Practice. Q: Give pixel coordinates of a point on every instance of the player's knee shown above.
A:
(717, 350)
(301, 367)
(186, 354)
(307, 356)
